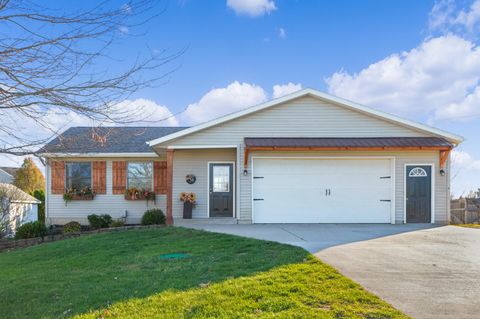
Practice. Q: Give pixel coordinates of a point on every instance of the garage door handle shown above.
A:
(258, 199)
(385, 200)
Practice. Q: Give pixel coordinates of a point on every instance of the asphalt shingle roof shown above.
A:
(10, 170)
(106, 139)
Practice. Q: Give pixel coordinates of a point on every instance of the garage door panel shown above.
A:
(295, 190)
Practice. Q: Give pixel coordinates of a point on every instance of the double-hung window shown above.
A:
(78, 175)
(140, 175)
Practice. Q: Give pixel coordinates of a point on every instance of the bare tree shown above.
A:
(53, 62)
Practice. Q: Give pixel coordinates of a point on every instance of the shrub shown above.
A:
(153, 217)
(99, 221)
(31, 230)
(72, 227)
(117, 223)
(40, 195)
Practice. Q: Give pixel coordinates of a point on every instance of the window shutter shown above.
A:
(58, 177)
(119, 176)
(99, 177)
(160, 177)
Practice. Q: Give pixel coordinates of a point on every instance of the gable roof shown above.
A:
(456, 139)
(12, 171)
(78, 140)
(16, 195)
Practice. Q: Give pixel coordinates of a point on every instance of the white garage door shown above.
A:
(287, 190)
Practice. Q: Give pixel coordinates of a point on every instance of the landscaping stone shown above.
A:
(10, 244)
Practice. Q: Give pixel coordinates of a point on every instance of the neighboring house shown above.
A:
(7, 174)
(307, 157)
(20, 207)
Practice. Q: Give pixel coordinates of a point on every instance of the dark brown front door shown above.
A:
(221, 190)
(419, 194)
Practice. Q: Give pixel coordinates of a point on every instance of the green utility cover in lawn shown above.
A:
(175, 256)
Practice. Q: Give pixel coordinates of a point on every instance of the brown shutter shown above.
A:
(58, 177)
(160, 177)
(99, 177)
(119, 176)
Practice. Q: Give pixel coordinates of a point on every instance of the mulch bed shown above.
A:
(11, 244)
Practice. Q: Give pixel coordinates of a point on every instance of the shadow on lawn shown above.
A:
(309, 289)
(74, 276)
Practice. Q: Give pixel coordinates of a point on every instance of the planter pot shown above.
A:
(187, 210)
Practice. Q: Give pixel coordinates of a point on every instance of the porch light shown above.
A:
(245, 172)
(442, 172)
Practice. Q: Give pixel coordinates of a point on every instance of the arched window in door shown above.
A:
(417, 172)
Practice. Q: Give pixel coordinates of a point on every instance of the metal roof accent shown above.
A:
(353, 142)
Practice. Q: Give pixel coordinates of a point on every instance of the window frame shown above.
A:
(152, 185)
(78, 162)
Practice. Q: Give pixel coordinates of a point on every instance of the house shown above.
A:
(16, 208)
(307, 157)
(7, 174)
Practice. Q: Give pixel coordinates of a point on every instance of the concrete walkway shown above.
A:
(424, 271)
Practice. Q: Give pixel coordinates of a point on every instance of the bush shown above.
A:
(31, 230)
(117, 223)
(99, 221)
(153, 217)
(72, 227)
(40, 195)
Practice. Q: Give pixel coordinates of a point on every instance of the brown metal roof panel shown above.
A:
(347, 142)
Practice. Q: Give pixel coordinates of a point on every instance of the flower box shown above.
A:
(85, 193)
(83, 197)
(139, 194)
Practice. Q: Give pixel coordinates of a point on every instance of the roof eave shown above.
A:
(93, 154)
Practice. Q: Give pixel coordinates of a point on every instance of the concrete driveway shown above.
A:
(425, 271)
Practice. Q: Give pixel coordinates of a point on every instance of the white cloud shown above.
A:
(282, 34)
(146, 112)
(221, 101)
(438, 73)
(252, 8)
(284, 89)
(445, 16)
(441, 15)
(465, 173)
(464, 110)
(124, 29)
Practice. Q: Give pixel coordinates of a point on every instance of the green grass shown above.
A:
(122, 275)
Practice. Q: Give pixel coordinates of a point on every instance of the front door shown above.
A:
(419, 194)
(221, 189)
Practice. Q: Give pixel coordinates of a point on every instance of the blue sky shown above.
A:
(416, 59)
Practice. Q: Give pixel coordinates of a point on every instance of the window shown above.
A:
(78, 175)
(417, 172)
(221, 178)
(140, 175)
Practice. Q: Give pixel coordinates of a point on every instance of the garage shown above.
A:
(322, 190)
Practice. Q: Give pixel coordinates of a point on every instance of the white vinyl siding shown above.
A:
(195, 162)
(114, 205)
(311, 117)
(303, 117)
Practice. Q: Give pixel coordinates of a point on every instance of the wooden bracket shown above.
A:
(245, 158)
(443, 158)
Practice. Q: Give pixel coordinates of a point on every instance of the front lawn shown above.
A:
(469, 225)
(128, 275)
